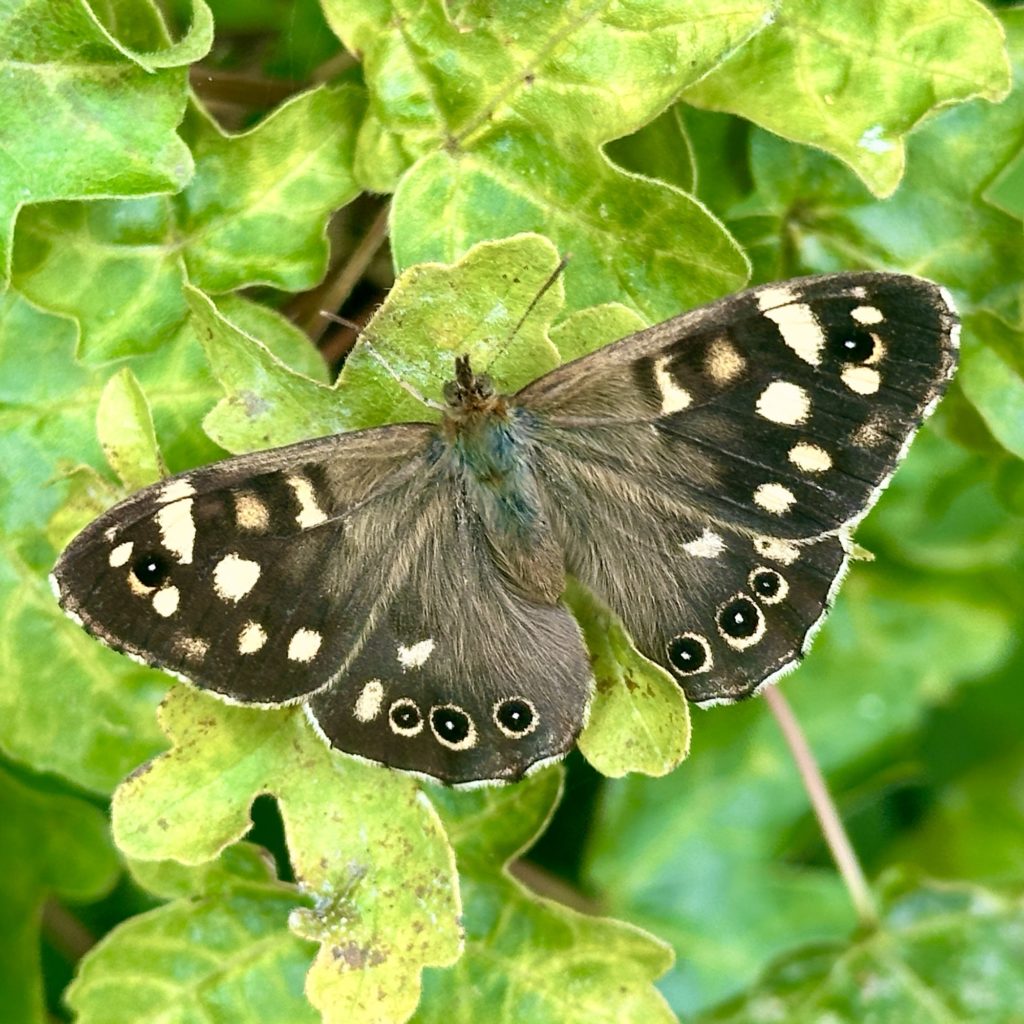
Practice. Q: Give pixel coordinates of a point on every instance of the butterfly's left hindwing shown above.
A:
(350, 572)
(702, 474)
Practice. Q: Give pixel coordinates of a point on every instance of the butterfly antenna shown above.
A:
(364, 337)
(344, 321)
(554, 276)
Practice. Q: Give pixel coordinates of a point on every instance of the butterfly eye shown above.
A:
(515, 717)
(453, 727)
(150, 570)
(740, 621)
(405, 718)
(769, 586)
(854, 346)
(689, 653)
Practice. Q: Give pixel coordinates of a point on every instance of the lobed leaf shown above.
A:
(527, 958)
(119, 93)
(365, 846)
(853, 80)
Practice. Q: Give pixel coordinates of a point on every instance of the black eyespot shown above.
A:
(515, 716)
(853, 346)
(687, 653)
(450, 725)
(766, 583)
(739, 618)
(405, 715)
(150, 570)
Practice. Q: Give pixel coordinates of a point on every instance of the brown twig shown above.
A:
(338, 287)
(551, 887)
(65, 932)
(824, 808)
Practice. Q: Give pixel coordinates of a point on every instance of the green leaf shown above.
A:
(125, 429)
(894, 647)
(527, 958)
(622, 231)
(363, 844)
(820, 218)
(995, 385)
(639, 720)
(256, 210)
(503, 118)
(46, 427)
(54, 846)
(170, 879)
(118, 94)
(944, 953)
(854, 79)
(225, 958)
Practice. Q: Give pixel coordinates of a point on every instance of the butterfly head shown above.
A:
(469, 393)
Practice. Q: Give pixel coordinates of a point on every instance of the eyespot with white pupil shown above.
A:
(740, 622)
(452, 727)
(405, 718)
(516, 717)
(854, 346)
(689, 654)
(769, 586)
(150, 570)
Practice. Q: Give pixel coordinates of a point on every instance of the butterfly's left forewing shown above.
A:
(702, 475)
(242, 576)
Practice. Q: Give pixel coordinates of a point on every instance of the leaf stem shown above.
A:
(824, 808)
(65, 932)
(333, 292)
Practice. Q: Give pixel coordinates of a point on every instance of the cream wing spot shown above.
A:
(165, 601)
(193, 647)
(796, 321)
(723, 362)
(774, 498)
(863, 379)
(304, 645)
(708, 545)
(250, 512)
(867, 315)
(251, 638)
(175, 491)
(673, 397)
(120, 555)
(368, 703)
(783, 402)
(776, 550)
(416, 655)
(234, 577)
(178, 529)
(811, 458)
(310, 513)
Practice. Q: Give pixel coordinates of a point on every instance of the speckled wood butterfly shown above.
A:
(404, 583)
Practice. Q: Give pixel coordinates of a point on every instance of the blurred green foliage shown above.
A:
(155, 242)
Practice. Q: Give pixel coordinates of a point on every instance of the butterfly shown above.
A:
(404, 583)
